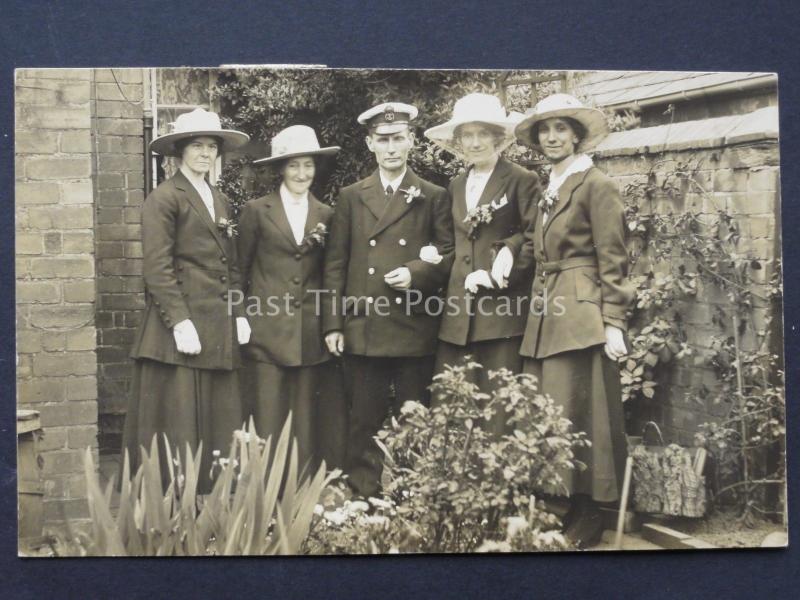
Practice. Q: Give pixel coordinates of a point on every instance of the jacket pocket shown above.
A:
(587, 287)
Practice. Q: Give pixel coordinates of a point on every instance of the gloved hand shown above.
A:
(399, 278)
(615, 343)
(186, 338)
(501, 267)
(478, 279)
(335, 342)
(242, 330)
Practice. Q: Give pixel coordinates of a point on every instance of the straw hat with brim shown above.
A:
(294, 141)
(474, 108)
(197, 123)
(564, 105)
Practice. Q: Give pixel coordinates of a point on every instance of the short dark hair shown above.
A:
(181, 144)
(576, 126)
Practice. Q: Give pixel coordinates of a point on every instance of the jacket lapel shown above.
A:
(196, 202)
(373, 195)
(276, 214)
(459, 188)
(397, 205)
(496, 183)
(572, 183)
(312, 219)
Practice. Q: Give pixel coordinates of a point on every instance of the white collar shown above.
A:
(395, 183)
(288, 198)
(581, 163)
(199, 183)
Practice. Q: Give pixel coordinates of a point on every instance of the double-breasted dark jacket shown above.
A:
(372, 235)
(281, 282)
(513, 195)
(581, 280)
(190, 267)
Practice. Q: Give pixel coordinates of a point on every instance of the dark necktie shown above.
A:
(389, 192)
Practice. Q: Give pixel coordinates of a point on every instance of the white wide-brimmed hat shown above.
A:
(388, 117)
(197, 123)
(474, 108)
(564, 105)
(296, 140)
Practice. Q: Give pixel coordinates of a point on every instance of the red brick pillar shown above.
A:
(55, 271)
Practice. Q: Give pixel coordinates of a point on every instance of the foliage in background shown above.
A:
(452, 486)
(261, 503)
(678, 248)
(261, 102)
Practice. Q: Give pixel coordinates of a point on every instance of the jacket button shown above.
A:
(370, 299)
(223, 278)
(225, 296)
(371, 270)
(298, 256)
(398, 300)
(467, 259)
(223, 259)
(296, 280)
(402, 242)
(297, 303)
(373, 243)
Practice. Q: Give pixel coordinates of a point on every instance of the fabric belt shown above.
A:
(566, 264)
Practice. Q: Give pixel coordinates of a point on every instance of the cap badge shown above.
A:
(388, 114)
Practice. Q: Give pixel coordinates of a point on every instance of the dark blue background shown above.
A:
(621, 34)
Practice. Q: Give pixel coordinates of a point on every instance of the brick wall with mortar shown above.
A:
(119, 189)
(744, 178)
(55, 275)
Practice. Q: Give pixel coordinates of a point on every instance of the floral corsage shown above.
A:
(316, 237)
(548, 200)
(411, 193)
(477, 216)
(228, 227)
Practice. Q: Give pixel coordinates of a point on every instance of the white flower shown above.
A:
(515, 525)
(357, 506)
(375, 520)
(378, 503)
(336, 517)
(319, 509)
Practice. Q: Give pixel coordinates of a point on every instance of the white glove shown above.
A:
(335, 342)
(501, 268)
(186, 338)
(478, 279)
(242, 330)
(430, 254)
(615, 343)
(399, 278)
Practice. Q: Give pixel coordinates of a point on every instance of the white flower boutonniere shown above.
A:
(548, 200)
(228, 227)
(316, 237)
(411, 193)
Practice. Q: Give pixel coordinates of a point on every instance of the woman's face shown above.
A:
(298, 174)
(557, 139)
(199, 154)
(477, 143)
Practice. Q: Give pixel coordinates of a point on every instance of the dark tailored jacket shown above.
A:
(273, 266)
(371, 236)
(512, 224)
(582, 266)
(190, 266)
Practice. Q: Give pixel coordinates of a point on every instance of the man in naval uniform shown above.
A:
(388, 259)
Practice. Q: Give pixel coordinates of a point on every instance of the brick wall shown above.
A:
(744, 178)
(55, 269)
(119, 189)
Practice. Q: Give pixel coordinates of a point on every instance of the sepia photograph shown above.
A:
(298, 310)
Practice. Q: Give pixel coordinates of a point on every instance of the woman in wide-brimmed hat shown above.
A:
(581, 293)
(186, 350)
(281, 247)
(494, 207)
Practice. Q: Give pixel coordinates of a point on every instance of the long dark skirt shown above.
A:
(271, 391)
(189, 406)
(587, 384)
(493, 355)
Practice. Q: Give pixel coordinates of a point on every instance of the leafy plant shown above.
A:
(260, 504)
(450, 485)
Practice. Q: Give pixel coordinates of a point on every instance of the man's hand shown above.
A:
(335, 342)
(615, 343)
(186, 338)
(398, 279)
